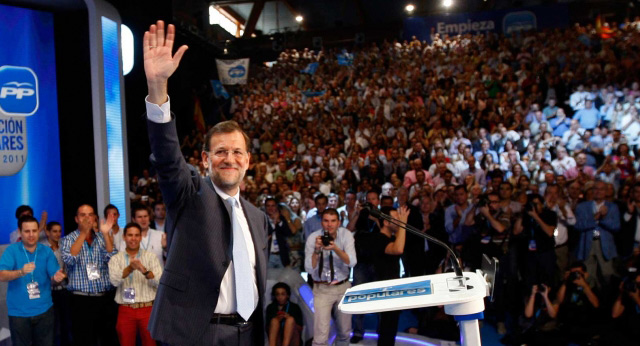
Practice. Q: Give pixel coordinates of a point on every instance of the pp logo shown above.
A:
(237, 72)
(519, 21)
(18, 91)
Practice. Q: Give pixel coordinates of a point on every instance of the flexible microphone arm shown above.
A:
(454, 259)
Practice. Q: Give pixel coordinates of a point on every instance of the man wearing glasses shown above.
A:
(212, 288)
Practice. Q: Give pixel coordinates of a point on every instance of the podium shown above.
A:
(462, 297)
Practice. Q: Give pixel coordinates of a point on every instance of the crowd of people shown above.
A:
(522, 148)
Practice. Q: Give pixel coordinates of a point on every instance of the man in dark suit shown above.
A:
(212, 289)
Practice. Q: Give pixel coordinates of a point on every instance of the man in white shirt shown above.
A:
(136, 274)
(152, 240)
(159, 216)
(116, 231)
(563, 162)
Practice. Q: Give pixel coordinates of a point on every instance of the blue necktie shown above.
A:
(243, 274)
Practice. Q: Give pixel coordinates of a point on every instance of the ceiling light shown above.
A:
(409, 8)
(447, 3)
(299, 18)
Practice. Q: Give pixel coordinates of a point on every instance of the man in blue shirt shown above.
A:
(29, 268)
(314, 220)
(86, 254)
(588, 117)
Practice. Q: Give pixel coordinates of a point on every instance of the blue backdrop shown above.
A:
(29, 137)
(502, 21)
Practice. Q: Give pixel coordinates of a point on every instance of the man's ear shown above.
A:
(205, 159)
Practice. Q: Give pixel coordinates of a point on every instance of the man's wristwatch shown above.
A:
(146, 273)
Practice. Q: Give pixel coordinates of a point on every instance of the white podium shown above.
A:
(462, 298)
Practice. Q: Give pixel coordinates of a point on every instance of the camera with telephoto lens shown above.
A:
(326, 239)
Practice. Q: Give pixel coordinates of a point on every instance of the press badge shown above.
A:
(129, 295)
(33, 290)
(92, 271)
(532, 245)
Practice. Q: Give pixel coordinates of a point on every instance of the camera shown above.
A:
(483, 201)
(629, 283)
(326, 239)
(574, 276)
(541, 288)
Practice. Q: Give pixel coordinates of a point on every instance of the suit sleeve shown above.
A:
(177, 181)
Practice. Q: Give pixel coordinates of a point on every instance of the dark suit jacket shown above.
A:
(199, 246)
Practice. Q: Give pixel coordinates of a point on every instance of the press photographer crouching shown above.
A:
(576, 307)
(626, 308)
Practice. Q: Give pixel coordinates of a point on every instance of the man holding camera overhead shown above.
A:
(329, 256)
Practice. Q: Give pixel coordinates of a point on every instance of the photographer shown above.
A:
(492, 237)
(279, 230)
(540, 325)
(537, 225)
(626, 309)
(329, 256)
(576, 305)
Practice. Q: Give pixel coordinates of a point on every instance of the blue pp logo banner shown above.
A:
(233, 71)
(18, 91)
(519, 21)
(415, 289)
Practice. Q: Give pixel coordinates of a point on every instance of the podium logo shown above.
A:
(18, 91)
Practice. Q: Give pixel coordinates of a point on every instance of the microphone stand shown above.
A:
(454, 259)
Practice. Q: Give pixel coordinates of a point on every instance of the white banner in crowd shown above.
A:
(233, 71)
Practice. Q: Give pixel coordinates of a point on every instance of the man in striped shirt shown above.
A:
(136, 274)
(86, 253)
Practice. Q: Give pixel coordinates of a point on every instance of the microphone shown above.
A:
(375, 212)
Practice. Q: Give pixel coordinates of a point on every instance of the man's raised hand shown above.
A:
(159, 64)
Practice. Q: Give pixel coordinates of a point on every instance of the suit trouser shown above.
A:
(596, 263)
(325, 300)
(228, 335)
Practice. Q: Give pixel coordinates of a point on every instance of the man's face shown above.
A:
(112, 212)
(85, 212)
(494, 203)
(142, 218)
(321, 204)
(581, 160)
(333, 202)
(227, 161)
(350, 200)
(373, 199)
(54, 233)
(330, 222)
(271, 207)
(505, 192)
(29, 233)
(160, 211)
(538, 205)
(132, 237)
(460, 196)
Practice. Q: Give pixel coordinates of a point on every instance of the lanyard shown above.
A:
(34, 259)
(148, 241)
(126, 257)
(90, 249)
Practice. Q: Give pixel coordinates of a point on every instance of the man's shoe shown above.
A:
(355, 339)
